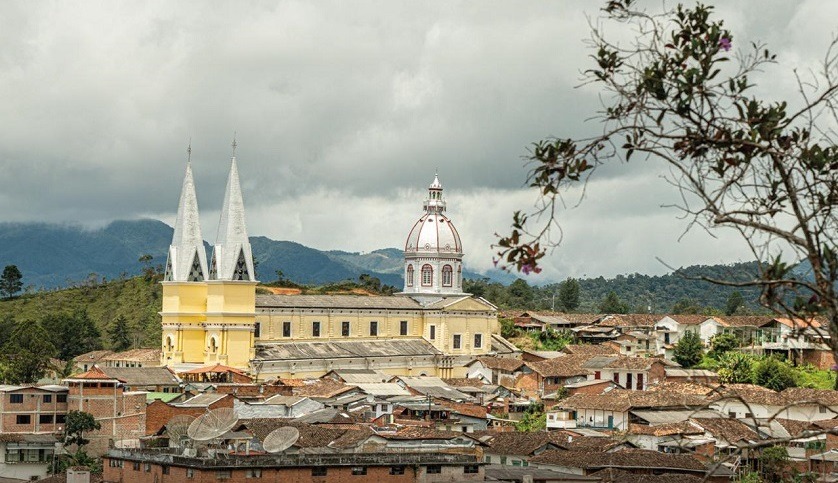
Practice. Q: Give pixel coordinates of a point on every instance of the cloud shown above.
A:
(343, 111)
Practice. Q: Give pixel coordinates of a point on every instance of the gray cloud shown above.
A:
(343, 112)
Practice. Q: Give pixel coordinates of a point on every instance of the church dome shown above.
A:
(434, 233)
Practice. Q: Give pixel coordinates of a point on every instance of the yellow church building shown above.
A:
(212, 314)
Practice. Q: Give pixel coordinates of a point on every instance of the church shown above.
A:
(211, 313)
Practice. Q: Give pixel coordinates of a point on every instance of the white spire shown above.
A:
(232, 258)
(187, 258)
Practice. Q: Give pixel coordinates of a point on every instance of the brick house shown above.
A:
(158, 413)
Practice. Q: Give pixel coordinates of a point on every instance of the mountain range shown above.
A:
(53, 256)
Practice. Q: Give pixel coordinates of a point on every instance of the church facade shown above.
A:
(212, 314)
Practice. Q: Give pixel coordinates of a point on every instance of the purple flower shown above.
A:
(526, 269)
(724, 43)
(834, 368)
(495, 261)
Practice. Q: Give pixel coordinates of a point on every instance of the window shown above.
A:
(23, 419)
(286, 329)
(136, 466)
(344, 329)
(45, 419)
(470, 469)
(447, 276)
(373, 328)
(457, 341)
(47, 398)
(359, 470)
(223, 474)
(319, 471)
(410, 275)
(427, 275)
(147, 467)
(61, 398)
(640, 382)
(253, 473)
(257, 329)
(190, 472)
(617, 377)
(433, 332)
(478, 341)
(16, 398)
(403, 327)
(397, 470)
(503, 460)
(165, 470)
(434, 469)
(821, 409)
(666, 338)
(628, 348)
(628, 380)
(60, 418)
(315, 329)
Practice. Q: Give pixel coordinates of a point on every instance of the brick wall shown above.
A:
(821, 359)
(34, 406)
(159, 413)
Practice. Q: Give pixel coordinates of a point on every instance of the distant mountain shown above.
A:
(52, 256)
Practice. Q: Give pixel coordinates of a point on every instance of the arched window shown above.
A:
(447, 276)
(169, 344)
(460, 276)
(213, 345)
(410, 275)
(427, 275)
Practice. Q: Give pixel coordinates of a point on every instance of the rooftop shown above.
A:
(344, 349)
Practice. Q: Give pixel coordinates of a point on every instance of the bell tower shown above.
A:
(231, 288)
(184, 282)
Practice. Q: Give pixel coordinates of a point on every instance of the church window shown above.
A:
(432, 335)
(168, 276)
(458, 341)
(373, 328)
(315, 329)
(257, 329)
(344, 329)
(460, 276)
(195, 272)
(478, 341)
(213, 268)
(427, 275)
(286, 329)
(241, 272)
(447, 276)
(403, 327)
(410, 275)
(213, 345)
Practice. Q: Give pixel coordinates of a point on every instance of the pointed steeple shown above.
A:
(187, 258)
(232, 258)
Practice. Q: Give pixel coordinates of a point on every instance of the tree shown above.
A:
(11, 281)
(533, 419)
(686, 306)
(774, 374)
(775, 463)
(27, 354)
(76, 424)
(611, 304)
(721, 344)
(734, 303)
(735, 368)
(72, 334)
(689, 349)
(569, 295)
(520, 294)
(507, 328)
(120, 334)
(676, 95)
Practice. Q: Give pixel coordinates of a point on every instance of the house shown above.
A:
(514, 448)
(747, 328)
(679, 374)
(26, 456)
(133, 358)
(149, 378)
(553, 374)
(747, 401)
(635, 461)
(217, 374)
(634, 343)
(159, 413)
(595, 334)
(358, 376)
(83, 362)
(634, 373)
(497, 370)
(669, 330)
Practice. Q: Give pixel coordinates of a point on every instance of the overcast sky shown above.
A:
(343, 111)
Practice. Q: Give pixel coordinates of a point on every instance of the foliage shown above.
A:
(774, 374)
(77, 458)
(723, 343)
(551, 340)
(11, 281)
(686, 306)
(520, 293)
(507, 328)
(76, 424)
(689, 349)
(119, 334)
(735, 303)
(774, 463)
(676, 95)
(611, 304)
(534, 419)
(569, 295)
(72, 333)
(735, 368)
(26, 354)
(811, 376)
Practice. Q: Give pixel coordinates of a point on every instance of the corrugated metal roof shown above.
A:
(283, 351)
(337, 302)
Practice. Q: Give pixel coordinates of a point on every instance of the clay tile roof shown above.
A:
(466, 409)
(502, 363)
(139, 355)
(684, 388)
(629, 320)
(564, 366)
(751, 394)
(622, 400)
(311, 436)
(802, 395)
(93, 373)
(464, 382)
(321, 388)
(589, 349)
(515, 443)
(799, 323)
(794, 428)
(92, 356)
(731, 430)
(627, 458)
(610, 475)
(681, 427)
(217, 368)
(743, 320)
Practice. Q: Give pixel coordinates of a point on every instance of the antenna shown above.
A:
(234, 144)
(189, 152)
(212, 425)
(280, 439)
(177, 428)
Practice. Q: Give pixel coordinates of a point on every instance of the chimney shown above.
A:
(78, 474)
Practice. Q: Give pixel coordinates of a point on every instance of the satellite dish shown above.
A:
(177, 428)
(212, 425)
(281, 439)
